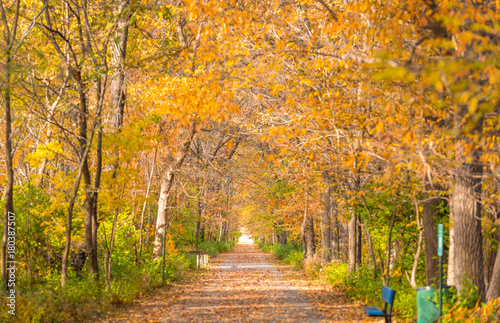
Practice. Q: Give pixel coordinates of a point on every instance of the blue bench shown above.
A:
(388, 297)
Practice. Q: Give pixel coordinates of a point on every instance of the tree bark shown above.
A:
(141, 229)
(303, 238)
(359, 243)
(467, 225)
(450, 280)
(67, 246)
(202, 232)
(118, 55)
(429, 206)
(416, 258)
(198, 221)
(352, 243)
(494, 286)
(308, 235)
(166, 185)
(389, 244)
(9, 189)
(327, 227)
(335, 234)
(491, 240)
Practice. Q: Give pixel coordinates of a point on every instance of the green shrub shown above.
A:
(82, 298)
(295, 259)
(214, 248)
(290, 254)
(361, 286)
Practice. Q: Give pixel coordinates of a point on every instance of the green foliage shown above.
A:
(290, 254)
(82, 298)
(295, 259)
(361, 286)
(214, 248)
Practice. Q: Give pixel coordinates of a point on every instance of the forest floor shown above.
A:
(245, 285)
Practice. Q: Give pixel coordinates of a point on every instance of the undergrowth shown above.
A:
(361, 286)
(290, 254)
(82, 298)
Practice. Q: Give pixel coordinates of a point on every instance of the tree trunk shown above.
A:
(335, 234)
(416, 258)
(389, 244)
(451, 255)
(202, 232)
(430, 235)
(166, 185)
(67, 246)
(327, 227)
(141, 228)
(90, 247)
(359, 243)
(110, 252)
(282, 234)
(118, 54)
(491, 240)
(311, 244)
(303, 238)
(494, 286)
(9, 189)
(352, 243)
(197, 234)
(308, 232)
(468, 235)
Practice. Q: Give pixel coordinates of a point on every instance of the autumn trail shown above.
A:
(245, 285)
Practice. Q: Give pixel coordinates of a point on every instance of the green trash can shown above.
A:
(428, 303)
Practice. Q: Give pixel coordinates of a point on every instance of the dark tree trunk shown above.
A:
(359, 243)
(430, 237)
(327, 227)
(282, 234)
(308, 231)
(311, 244)
(202, 232)
(335, 234)
(468, 235)
(9, 189)
(303, 238)
(197, 233)
(389, 245)
(352, 244)
(198, 222)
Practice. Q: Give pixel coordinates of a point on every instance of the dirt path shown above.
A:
(245, 285)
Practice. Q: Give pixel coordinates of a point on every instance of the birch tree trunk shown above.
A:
(166, 186)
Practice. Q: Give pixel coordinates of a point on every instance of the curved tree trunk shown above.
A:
(166, 186)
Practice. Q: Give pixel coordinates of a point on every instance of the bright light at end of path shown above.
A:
(245, 239)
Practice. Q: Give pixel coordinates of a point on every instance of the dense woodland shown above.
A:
(346, 130)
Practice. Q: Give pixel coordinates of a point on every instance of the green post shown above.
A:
(163, 262)
(440, 254)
